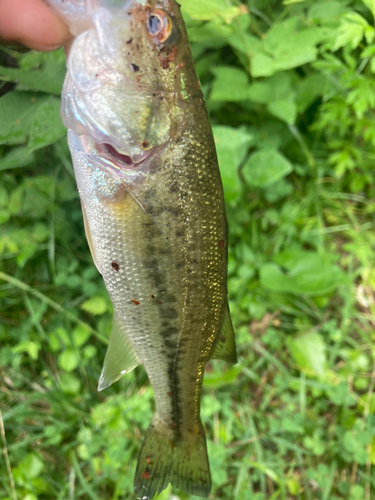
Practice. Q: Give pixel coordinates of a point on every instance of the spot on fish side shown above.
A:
(146, 474)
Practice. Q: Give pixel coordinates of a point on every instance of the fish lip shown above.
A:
(109, 152)
(108, 157)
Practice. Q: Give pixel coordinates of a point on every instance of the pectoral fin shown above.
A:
(226, 345)
(88, 236)
(119, 359)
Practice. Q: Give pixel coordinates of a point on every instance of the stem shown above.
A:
(6, 456)
(299, 138)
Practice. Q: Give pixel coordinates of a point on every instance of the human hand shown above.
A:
(31, 23)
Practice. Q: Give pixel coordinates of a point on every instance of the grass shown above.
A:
(295, 418)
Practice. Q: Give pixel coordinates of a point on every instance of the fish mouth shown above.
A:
(123, 165)
(111, 152)
(108, 153)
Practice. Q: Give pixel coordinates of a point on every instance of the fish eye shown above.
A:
(159, 25)
(154, 25)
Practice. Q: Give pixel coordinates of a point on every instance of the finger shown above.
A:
(31, 23)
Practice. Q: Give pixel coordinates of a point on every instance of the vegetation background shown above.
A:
(290, 88)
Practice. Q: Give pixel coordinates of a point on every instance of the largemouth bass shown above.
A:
(153, 207)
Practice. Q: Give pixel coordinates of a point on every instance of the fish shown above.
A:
(154, 214)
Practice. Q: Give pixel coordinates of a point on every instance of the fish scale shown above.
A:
(146, 169)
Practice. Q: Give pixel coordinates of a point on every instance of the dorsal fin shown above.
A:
(226, 345)
(119, 359)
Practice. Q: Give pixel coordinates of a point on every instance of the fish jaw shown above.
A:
(123, 170)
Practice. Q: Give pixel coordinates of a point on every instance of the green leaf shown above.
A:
(213, 34)
(265, 167)
(231, 146)
(81, 334)
(351, 31)
(291, 48)
(69, 383)
(49, 78)
(278, 87)
(301, 272)
(287, 45)
(277, 92)
(372, 451)
(4, 197)
(16, 158)
(327, 11)
(309, 352)
(209, 9)
(278, 190)
(4, 215)
(63, 337)
(16, 200)
(262, 65)
(218, 378)
(95, 305)
(20, 108)
(272, 134)
(285, 109)
(68, 360)
(308, 90)
(362, 97)
(356, 443)
(371, 5)
(244, 42)
(89, 351)
(260, 92)
(47, 126)
(231, 84)
(294, 486)
(28, 346)
(24, 255)
(31, 466)
(40, 232)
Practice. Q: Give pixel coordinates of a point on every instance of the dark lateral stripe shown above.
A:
(171, 345)
(156, 254)
(160, 209)
(174, 384)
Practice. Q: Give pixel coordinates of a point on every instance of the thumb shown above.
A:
(31, 23)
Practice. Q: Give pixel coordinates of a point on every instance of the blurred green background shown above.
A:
(290, 89)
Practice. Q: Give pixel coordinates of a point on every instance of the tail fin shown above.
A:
(183, 462)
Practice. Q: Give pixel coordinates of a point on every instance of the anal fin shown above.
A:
(226, 345)
(119, 359)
